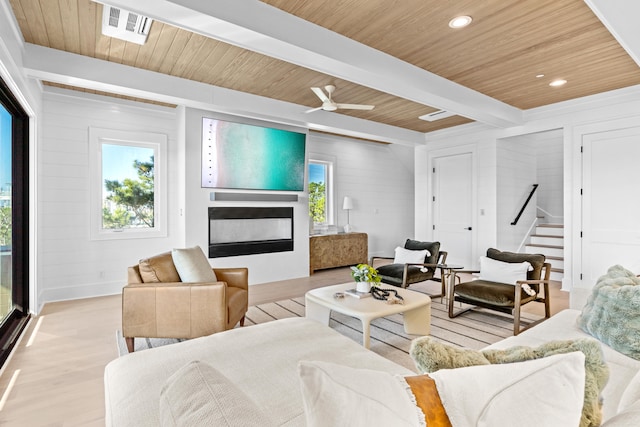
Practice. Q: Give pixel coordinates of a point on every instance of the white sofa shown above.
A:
(261, 361)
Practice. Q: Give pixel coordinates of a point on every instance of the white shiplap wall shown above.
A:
(549, 153)
(516, 174)
(379, 178)
(71, 265)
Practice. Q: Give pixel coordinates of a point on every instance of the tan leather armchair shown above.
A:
(156, 304)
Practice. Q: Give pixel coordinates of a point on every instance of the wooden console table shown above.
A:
(337, 250)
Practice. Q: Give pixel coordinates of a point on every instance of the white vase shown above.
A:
(363, 286)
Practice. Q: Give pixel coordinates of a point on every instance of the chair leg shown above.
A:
(242, 321)
(547, 302)
(516, 308)
(130, 346)
(451, 301)
(516, 320)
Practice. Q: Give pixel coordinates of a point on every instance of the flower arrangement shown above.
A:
(365, 273)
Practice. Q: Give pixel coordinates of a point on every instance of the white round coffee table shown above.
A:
(416, 308)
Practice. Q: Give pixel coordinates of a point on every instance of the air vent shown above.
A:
(437, 115)
(125, 25)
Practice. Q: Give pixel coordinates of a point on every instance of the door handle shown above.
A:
(468, 228)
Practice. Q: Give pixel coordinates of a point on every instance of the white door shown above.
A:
(610, 202)
(452, 207)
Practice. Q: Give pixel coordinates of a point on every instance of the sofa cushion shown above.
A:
(431, 356)
(159, 268)
(628, 417)
(478, 395)
(193, 266)
(432, 247)
(392, 274)
(492, 293)
(197, 394)
(631, 394)
(536, 260)
(611, 313)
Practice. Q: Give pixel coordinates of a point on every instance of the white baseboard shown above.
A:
(82, 291)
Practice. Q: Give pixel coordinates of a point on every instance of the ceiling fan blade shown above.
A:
(312, 110)
(320, 94)
(355, 106)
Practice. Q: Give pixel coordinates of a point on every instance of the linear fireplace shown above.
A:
(249, 230)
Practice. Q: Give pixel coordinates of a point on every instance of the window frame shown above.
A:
(16, 321)
(330, 191)
(158, 142)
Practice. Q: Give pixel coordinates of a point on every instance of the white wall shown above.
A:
(484, 218)
(516, 174)
(550, 157)
(379, 178)
(573, 117)
(263, 267)
(71, 265)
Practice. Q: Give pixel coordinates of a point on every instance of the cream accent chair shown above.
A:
(156, 304)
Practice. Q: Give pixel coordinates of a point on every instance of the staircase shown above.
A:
(548, 239)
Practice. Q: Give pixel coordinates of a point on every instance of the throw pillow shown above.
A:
(192, 265)
(407, 256)
(159, 268)
(479, 395)
(505, 272)
(543, 392)
(336, 395)
(431, 355)
(611, 313)
(197, 394)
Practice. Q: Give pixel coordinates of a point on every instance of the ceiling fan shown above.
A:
(329, 104)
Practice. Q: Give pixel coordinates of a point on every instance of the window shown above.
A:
(321, 200)
(129, 177)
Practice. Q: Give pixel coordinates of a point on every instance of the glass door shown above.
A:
(14, 220)
(6, 282)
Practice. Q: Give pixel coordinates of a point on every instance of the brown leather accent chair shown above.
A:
(503, 297)
(156, 304)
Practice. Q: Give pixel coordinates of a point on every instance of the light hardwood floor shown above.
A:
(54, 377)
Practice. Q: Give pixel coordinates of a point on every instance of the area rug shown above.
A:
(140, 344)
(474, 329)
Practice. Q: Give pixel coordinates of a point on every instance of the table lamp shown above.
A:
(347, 204)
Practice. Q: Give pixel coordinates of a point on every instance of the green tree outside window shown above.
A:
(317, 202)
(130, 202)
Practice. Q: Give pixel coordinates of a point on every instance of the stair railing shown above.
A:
(527, 235)
(524, 206)
(552, 216)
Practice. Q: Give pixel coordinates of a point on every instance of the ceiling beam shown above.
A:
(259, 27)
(621, 19)
(77, 70)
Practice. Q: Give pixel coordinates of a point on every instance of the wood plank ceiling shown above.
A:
(509, 43)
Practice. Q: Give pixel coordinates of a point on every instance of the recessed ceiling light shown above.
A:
(558, 82)
(539, 76)
(460, 21)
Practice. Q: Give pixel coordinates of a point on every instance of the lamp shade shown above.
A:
(347, 203)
